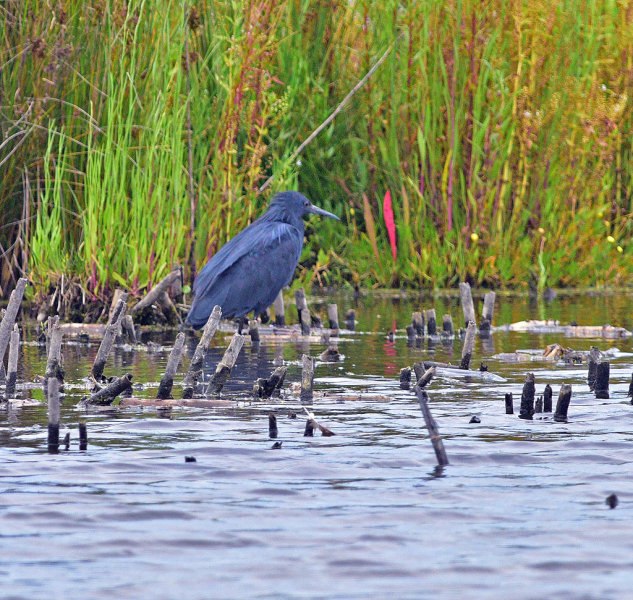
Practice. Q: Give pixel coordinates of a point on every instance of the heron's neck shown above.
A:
(280, 215)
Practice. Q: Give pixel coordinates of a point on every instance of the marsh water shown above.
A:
(520, 511)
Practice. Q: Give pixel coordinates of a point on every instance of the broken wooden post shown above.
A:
(310, 427)
(253, 330)
(331, 354)
(54, 360)
(601, 387)
(423, 376)
(119, 294)
(12, 365)
(307, 379)
(167, 382)
(332, 315)
(509, 404)
(53, 415)
(405, 378)
(630, 393)
(527, 398)
(469, 342)
(447, 325)
(487, 312)
(432, 428)
(350, 320)
(305, 321)
(538, 405)
(223, 370)
(83, 436)
(410, 335)
(547, 398)
(562, 405)
(592, 365)
(302, 304)
(195, 366)
(106, 395)
(8, 320)
(467, 303)
(265, 388)
(417, 321)
(272, 426)
(157, 291)
(431, 321)
(109, 335)
(278, 305)
(127, 325)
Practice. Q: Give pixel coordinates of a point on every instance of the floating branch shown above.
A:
(223, 370)
(432, 428)
(106, 395)
(167, 382)
(12, 365)
(551, 326)
(469, 343)
(564, 397)
(195, 366)
(156, 292)
(8, 320)
(111, 331)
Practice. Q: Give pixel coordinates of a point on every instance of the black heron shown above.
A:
(247, 273)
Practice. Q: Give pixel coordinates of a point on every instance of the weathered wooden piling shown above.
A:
(195, 366)
(301, 304)
(309, 429)
(54, 359)
(469, 343)
(106, 395)
(119, 294)
(109, 335)
(307, 379)
(630, 393)
(157, 291)
(417, 321)
(127, 325)
(167, 382)
(538, 405)
(405, 378)
(431, 321)
(223, 369)
(12, 365)
(431, 425)
(527, 398)
(487, 312)
(265, 388)
(83, 436)
(601, 388)
(53, 415)
(332, 315)
(562, 405)
(272, 426)
(11, 312)
(547, 398)
(410, 335)
(278, 306)
(447, 325)
(467, 303)
(592, 367)
(305, 321)
(423, 376)
(350, 320)
(253, 330)
(509, 404)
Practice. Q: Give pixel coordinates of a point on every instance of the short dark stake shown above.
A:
(307, 379)
(223, 369)
(592, 363)
(417, 321)
(432, 428)
(410, 335)
(630, 393)
(54, 359)
(278, 306)
(276, 446)
(431, 321)
(167, 382)
(195, 366)
(12, 365)
(487, 312)
(538, 405)
(302, 304)
(509, 404)
(111, 331)
(405, 378)
(469, 343)
(601, 388)
(527, 398)
(8, 320)
(157, 291)
(66, 442)
(272, 426)
(547, 398)
(253, 330)
(106, 395)
(611, 501)
(447, 325)
(562, 405)
(309, 430)
(332, 315)
(53, 415)
(467, 303)
(350, 320)
(83, 436)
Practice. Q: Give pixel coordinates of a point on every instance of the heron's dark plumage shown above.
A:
(247, 273)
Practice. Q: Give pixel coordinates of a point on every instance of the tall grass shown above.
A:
(502, 130)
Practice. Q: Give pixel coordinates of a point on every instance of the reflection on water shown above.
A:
(520, 511)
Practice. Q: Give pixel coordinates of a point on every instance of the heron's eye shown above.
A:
(306, 203)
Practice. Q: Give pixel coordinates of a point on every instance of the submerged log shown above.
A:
(527, 398)
(552, 326)
(8, 320)
(431, 425)
(167, 382)
(157, 291)
(106, 395)
(223, 369)
(467, 303)
(564, 397)
(469, 343)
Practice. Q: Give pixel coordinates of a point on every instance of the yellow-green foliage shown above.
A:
(502, 129)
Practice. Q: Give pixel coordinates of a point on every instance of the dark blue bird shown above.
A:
(247, 273)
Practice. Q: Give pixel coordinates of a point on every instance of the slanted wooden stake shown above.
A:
(431, 321)
(417, 320)
(265, 388)
(488, 310)
(432, 428)
(167, 382)
(127, 324)
(83, 436)
(332, 315)
(278, 305)
(547, 398)
(307, 379)
(350, 320)
(423, 376)
(527, 398)
(12, 369)
(8, 320)
(223, 370)
(469, 343)
(157, 291)
(195, 366)
(564, 397)
(405, 378)
(272, 426)
(106, 395)
(467, 303)
(109, 335)
(53, 415)
(601, 388)
(509, 404)
(447, 325)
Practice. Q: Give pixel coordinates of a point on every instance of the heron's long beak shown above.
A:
(324, 213)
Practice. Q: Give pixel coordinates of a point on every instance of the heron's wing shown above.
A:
(248, 272)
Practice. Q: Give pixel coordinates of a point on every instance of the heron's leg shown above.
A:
(241, 322)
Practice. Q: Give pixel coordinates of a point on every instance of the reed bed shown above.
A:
(135, 135)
